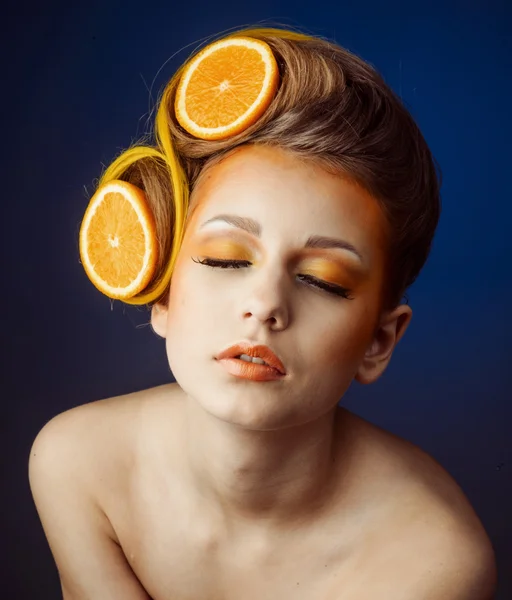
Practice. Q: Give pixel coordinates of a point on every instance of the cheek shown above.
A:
(181, 308)
(181, 290)
(181, 340)
(343, 339)
(190, 307)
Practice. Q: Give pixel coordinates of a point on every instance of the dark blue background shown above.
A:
(75, 81)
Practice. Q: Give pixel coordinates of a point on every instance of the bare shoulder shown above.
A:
(99, 440)
(414, 473)
(103, 424)
(76, 460)
(428, 515)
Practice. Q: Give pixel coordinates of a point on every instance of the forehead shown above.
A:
(287, 195)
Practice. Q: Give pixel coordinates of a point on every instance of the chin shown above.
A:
(243, 403)
(255, 410)
(251, 405)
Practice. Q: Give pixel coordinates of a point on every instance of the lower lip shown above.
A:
(250, 370)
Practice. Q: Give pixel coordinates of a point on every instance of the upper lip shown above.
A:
(252, 350)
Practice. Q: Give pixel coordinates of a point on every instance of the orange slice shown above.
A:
(118, 244)
(226, 88)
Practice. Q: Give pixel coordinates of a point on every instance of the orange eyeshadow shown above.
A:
(328, 270)
(225, 249)
(331, 270)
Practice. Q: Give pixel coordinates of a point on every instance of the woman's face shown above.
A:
(320, 336)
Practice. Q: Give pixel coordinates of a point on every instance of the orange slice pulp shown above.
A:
(118, 245)
(226, 88)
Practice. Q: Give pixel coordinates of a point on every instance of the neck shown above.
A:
(265, 478)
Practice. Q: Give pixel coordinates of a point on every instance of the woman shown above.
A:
(245, 480)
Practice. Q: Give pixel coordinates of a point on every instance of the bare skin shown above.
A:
(222, 488)
(391, 516)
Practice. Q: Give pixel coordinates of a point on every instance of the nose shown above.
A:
(266, 300)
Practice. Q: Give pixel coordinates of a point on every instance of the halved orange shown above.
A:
(118, 244)
(226, 88)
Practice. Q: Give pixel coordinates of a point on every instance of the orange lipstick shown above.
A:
(231, 361)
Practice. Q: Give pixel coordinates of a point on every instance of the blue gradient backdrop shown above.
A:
(75, 92)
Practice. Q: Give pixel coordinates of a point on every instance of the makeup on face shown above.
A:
(254, 228)
(326, 264)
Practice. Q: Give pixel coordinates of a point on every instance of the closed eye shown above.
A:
(308, 279)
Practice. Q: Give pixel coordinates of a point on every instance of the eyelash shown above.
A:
(312, 281)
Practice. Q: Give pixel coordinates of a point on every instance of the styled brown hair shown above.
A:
(332, 108)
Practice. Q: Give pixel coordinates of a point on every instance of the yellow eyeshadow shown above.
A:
(331, 271)
(324, 269)
(225, 249)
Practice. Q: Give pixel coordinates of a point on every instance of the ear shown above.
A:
(159, 319)
(391, 328)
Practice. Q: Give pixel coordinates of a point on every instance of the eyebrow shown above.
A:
(314, 241)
